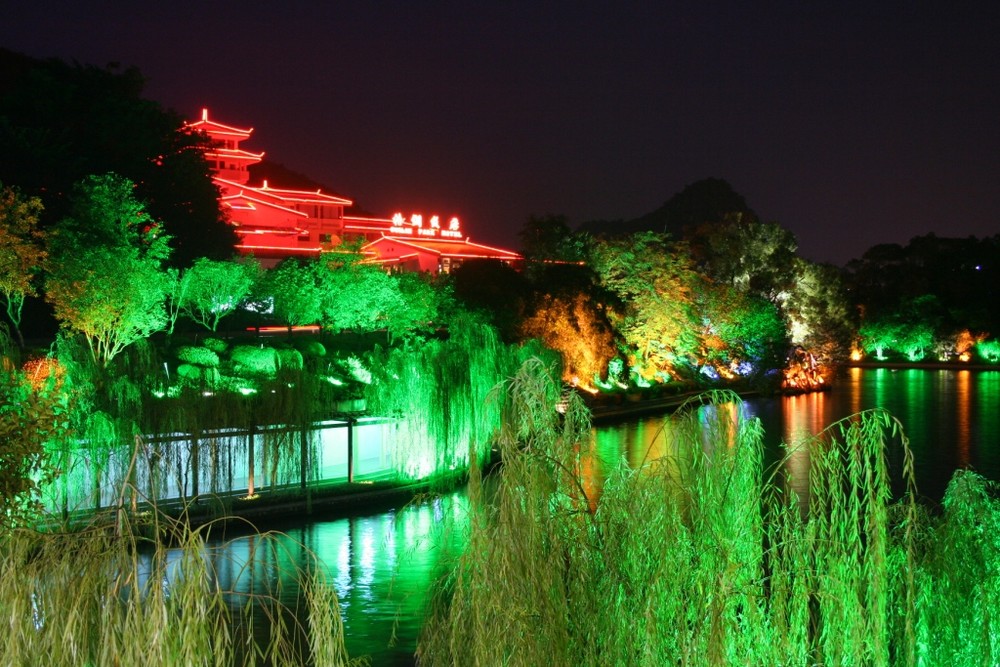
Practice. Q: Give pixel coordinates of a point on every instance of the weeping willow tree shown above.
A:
(440, 390)
(697, 556)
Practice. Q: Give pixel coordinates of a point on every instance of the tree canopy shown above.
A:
(654, 285)
(105, 268)
(212, 289)
(21, 251)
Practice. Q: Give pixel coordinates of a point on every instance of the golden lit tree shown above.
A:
(654, 282)
(573, 326)
(21, 252)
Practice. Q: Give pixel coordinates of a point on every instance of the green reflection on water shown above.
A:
(380, 565)
(988, 417)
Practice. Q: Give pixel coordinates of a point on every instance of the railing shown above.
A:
(228, 463)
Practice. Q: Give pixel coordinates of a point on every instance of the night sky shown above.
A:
(849, 123)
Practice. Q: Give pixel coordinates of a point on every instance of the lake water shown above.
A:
(383, 561)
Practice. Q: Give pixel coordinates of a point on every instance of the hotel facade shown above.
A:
(274, 223)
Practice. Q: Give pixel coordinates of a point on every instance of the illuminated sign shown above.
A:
(415, 226)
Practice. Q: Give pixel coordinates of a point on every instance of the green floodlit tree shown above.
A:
(291, 292)
(742, 330)
(422, 305)
(880, 335)
(989, 350)
(342, 293)
(106, 278)
(212, 289)
(355, 295)
(21, 252)
(915, 340)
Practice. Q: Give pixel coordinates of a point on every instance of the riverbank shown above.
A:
(276, 504)
(219, 512)
(634, 406)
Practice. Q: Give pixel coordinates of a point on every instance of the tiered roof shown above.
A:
(211, 127)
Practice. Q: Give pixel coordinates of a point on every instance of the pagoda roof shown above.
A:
(237, 153)
(286, 196)
(212, 127)
(363, 220)
(448, 247)
(243, 201)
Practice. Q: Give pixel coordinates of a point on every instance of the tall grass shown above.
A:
(703, 557)
(100, 597)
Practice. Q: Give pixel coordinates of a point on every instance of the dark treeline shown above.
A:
(60, 123)
(945, 284)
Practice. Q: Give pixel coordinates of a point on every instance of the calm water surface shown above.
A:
(383, 562)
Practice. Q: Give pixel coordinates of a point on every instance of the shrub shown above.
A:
(290, 359)
(310, 347)
(189, 373)
(215, 344)
(254, 361)
(989, 350)
(199, 356)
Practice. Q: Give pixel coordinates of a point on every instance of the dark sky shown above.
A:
(849, 123)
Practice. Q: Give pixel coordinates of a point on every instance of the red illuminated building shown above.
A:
(275, 223)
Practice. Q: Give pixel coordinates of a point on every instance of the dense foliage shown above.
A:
(714, 560)
(32, 416)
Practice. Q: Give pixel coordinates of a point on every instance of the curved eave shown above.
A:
(263, 202)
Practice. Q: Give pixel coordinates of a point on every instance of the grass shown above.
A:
(704, 557)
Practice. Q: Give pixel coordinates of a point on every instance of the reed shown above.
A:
(702, 556)
(104, 597)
